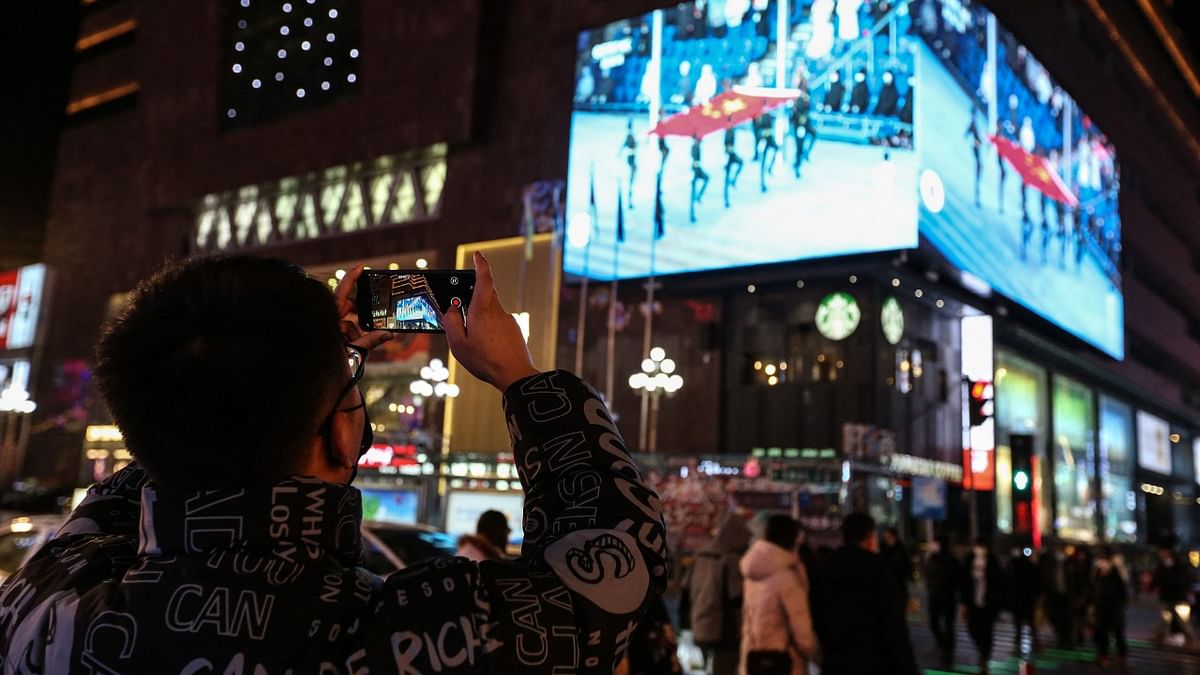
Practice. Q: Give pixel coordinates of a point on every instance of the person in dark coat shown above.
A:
(714, 589)
(733, 161)
(1172, 581)
(906, 111)
(889, 97)
(983, 596)
(1023, 585)
(858, 611)
(1054, 570)
(942, 578)
(699, 178)
(1111, 596)
(834, 95)
(896, 554)
(860, 94)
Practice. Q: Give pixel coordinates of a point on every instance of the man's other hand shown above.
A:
(348, 315)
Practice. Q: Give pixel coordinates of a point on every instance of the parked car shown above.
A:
(21, 537)
(388, 547)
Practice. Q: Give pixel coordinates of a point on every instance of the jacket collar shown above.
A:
(299, 518)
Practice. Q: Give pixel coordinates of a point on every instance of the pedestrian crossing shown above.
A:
(1144, 657)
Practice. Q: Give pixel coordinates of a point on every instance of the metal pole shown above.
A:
(581, 324)
(654, 398)
(656, 35)
(645, 419)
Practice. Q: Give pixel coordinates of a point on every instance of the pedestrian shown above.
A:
(1053, 571)
(1173, 582)
(1111, 596)
(942, 578)
(982, 597)
(858, 610)
(1079, 587)
(233, 543)
(896, 554)
(490, 540)
(652, 647)
(714, 591)
(808, 557)
(1023, 585)
(777, 630)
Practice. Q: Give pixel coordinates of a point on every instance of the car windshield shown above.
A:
(14, 546)
(413, 546)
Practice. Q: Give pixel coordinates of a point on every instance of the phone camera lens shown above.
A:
(453, 281)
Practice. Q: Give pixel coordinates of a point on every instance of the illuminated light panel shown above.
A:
(325, 203)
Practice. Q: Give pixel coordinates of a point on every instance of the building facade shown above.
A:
(331, 133)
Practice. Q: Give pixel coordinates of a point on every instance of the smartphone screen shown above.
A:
(408, 300)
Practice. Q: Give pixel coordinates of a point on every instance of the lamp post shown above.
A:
(657, 377)
(433, 387)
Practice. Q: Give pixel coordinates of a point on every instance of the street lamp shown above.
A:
(433, 382)
(657, 377)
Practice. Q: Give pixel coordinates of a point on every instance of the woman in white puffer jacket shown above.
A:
(775, 616)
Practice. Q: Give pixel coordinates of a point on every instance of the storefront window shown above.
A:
(1020, 409)
(1116, 471)
(1074, 460)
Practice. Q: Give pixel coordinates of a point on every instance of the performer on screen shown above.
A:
(733, 161)
(699, 176)
(975, 140)
(629, 149)
(1003, 169)
(766, 159)
(803, 131)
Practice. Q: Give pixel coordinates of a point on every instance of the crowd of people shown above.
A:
(759, 600)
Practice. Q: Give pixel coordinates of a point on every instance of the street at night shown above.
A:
(643, 337)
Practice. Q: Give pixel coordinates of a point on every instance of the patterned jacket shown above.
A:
(266, 580)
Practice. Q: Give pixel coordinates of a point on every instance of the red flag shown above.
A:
(1036, 171)
(727, 109)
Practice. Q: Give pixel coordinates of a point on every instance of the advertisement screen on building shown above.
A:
(20, 300)
(1018, 185)
(390, 506)
(1154, 443)
(464, 507)
(691, 150)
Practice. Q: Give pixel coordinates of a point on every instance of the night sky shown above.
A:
(37, 42)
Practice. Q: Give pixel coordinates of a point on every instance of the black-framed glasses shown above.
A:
(356, 360)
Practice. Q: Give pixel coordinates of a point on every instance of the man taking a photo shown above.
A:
(233, 544)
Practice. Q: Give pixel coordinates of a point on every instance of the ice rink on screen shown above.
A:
(1080, 298)
(847, 200)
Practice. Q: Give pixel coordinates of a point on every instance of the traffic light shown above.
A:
(1021, 446)
(980, 402)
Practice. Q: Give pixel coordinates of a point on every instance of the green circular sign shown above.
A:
(891, 318)
(838, 316)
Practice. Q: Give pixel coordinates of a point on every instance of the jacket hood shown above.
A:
(733, 536)
(764, 559)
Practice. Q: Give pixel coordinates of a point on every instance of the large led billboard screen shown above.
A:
(689, 142)
(722, 134)
(1018, 185)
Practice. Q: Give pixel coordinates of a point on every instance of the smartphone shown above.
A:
(408, 301)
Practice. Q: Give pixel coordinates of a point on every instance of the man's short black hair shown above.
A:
(493, 526)
(782, 531)
(222, 369)
(857, 527)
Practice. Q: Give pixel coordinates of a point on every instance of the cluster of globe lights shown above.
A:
(658, 373)
(433, 381)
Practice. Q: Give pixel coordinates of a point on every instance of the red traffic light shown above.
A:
(981, 390)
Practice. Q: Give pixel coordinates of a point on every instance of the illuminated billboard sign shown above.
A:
(20, 302)
(691, 149)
